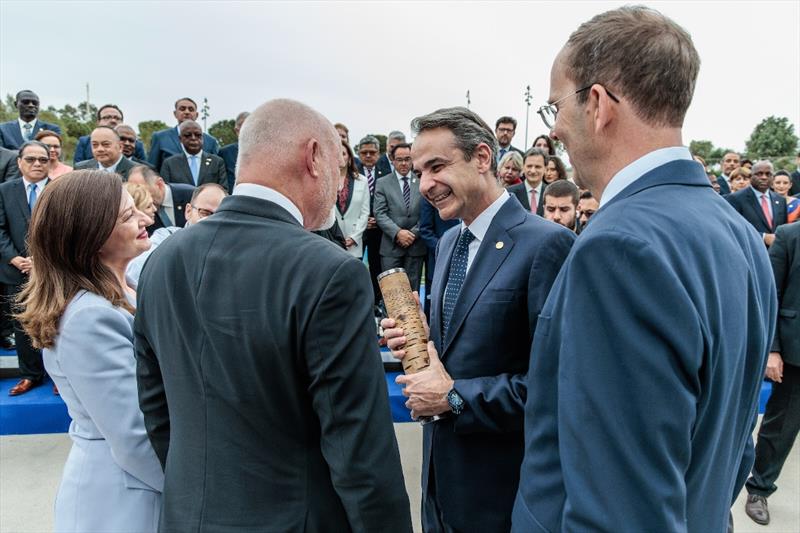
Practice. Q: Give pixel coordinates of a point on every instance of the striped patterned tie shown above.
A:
(455, 278)
(406, 193)
(370, 182)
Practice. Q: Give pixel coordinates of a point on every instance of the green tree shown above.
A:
(223, 131)
(148, 128)
(382, 140)
(773, 137)
(716, 155)
(701, 148)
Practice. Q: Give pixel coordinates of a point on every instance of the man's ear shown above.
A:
(313, 157)
(602, 107)
(483, 155)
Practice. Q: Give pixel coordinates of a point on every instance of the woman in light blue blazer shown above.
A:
(76, 306)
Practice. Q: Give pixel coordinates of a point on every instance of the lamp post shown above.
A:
(528, 98)
(204, 112)
(468, 100)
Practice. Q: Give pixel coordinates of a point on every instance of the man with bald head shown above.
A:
(107, 153)
(193, 166)
(267, 395)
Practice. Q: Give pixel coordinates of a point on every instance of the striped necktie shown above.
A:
(406, 193)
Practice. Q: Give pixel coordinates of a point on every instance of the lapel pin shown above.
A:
(499, 245)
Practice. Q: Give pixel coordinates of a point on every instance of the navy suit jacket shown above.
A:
(724, 188)
(8, 165)
(229, 153)
(15, 216)
(476, 455)
(166, 143)
(746, 204)
(181, 195)
(521, 194)
(639, 416)
(11, 135)
(83, 150)
(175, 169)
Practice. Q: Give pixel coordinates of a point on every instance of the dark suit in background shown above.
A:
(658, 299)
(795, 190)
(11, 135)
(8, 165)
(229, 153)
(166, 143)
(15, 216)
(83, 150)
(123, 167)
(724, 188)
(431, 228)
(470, 462)
(383, 165)
(521, 193)
(781, 422)
(392, 215)
(273, 406)
(747, 205)
(181, 195)
(175, 169)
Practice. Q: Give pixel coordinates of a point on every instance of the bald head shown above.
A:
(290, 147)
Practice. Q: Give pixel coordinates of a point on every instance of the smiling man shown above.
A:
(640, 419)
(530, 192)
(494, 271)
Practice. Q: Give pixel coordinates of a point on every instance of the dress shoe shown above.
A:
(22, 386)
(756, 508)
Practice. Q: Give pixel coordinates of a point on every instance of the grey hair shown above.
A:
(187, 123)
(536, 152)
(369, 139)
(26, 144)
(240, 118)
(398, 135)
(469, 129)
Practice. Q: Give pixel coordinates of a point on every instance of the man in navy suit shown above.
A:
(109, 115)
(495, 271)
(193, 166)
(761, 207)
(730, 162)
(532, 186)
(166, 143)
(230, 152)
(640, 417)
(15, 133)
(504, 130)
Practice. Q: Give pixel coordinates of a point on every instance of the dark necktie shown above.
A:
(406, 193)
(455, 278)
(370, 182)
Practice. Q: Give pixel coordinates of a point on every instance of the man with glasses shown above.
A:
(107, 153)
(639, 418)
(109, 115)
(129, 141)
(15, 133)
(204, 203)
(368, 150)
(764, 209)
(166, 143)
(504, 130)
(17, 200)
(193, 165)
(168, 198)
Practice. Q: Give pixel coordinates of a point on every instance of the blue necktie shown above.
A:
(455, 278)
(500, 155)
(28, 131)
(31, 196)
(406, 193)
(194, 167)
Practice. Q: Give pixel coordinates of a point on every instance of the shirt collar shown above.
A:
(22, 124)
(39, 184)
(528, 187)
(167, 201)
(188, 155)
(640, 167)
(481, 224)
(112, 168)
(271, 195)
(759, 194)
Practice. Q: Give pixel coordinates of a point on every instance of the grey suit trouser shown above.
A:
(411, 263)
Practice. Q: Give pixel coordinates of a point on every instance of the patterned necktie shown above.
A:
(455, 278)
(370, 182)
(534, 201)
(31, 196)
(765, 208)
(194, 167)
(406, 193)
(28, 131)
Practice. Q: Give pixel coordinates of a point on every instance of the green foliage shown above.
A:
(223, 131)
(772, 138)
(702, 149)
(148, 128)
(382, 140)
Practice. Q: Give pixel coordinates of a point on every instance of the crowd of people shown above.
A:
(591, 368)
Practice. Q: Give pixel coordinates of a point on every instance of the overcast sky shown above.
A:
(375, 65)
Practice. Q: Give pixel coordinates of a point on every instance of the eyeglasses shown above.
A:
(127, 139)
(549, 112)
(402, 160)
(31, 160)
(203, 212)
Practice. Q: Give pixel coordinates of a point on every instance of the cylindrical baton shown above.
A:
(401, 306)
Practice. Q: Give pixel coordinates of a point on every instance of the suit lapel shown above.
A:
(22, 200)
(447, 246)
(16, 132)
(205, 166)
(778, 210)
(174, 141)
(756, 206)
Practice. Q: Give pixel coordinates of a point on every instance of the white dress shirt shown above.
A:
(265, 193)
(22, 128)
(481, 224)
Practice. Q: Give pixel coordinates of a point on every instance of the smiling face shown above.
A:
(534, 170)
(33, 162)
(106, 147)
(781, 184)
(456, 187)
(55, 147)
(129, 237)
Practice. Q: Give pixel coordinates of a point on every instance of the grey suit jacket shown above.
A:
(175, 169)
(123, 168)
(392, 215)
(93, 365)
(8, 165)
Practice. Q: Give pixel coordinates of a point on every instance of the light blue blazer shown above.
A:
(112, 480)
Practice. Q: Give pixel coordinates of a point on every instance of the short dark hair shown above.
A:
(401, 145)
(535, 152)
(369, 139)
(26, 144)
(112, 106)
(16, 98)
(585, 195)
(187, 99)
(206, 186)
(561, 170)
(505, 120)
(551, 148)
(467, 127)
(782, 173)
(47, 133)
(562, 189)
(643, 56)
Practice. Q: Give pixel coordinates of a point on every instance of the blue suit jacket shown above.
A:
(229, 153)
(639, 415)
(11, 136)
(724, 188)
(166, 143)
(746, 204)
(476, 455)
(83, 150)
